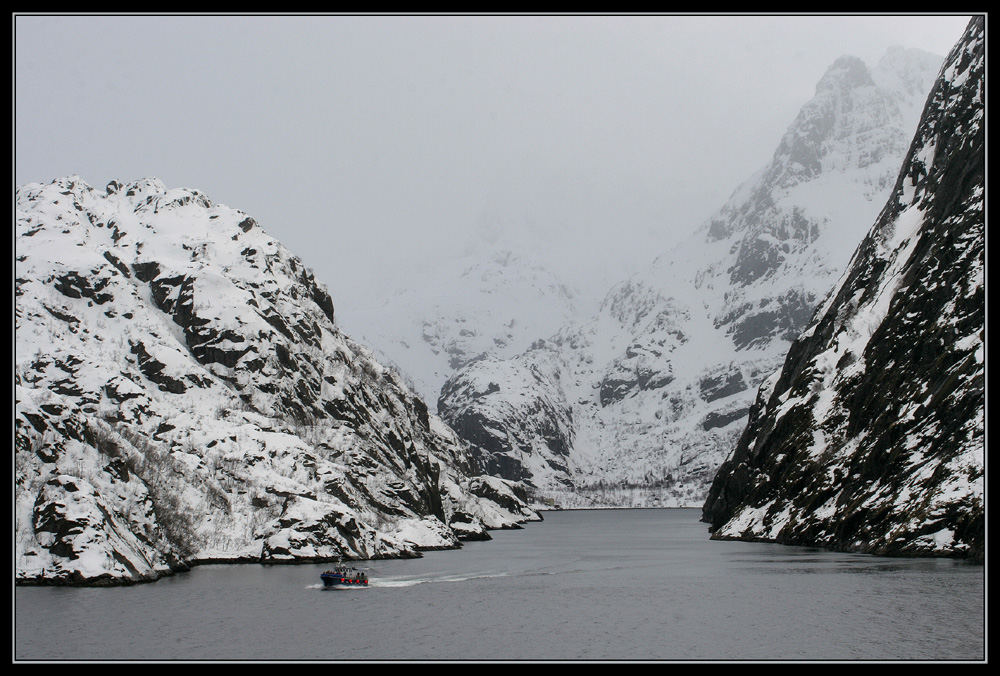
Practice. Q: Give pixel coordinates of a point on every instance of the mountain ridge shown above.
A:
(658, 382)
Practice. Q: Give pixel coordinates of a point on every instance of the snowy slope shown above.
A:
(658, 384)
(183, 394)
(482, 303)
(871, 437)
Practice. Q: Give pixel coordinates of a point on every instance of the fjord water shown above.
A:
(587, 585)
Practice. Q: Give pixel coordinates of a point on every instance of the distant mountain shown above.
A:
(183, 394)
(871, 437)
(494, 303)
(640, 404)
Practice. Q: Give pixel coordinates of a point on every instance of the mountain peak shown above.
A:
(847, 72)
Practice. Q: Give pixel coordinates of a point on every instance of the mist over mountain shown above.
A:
(482, 303)
(640, 403)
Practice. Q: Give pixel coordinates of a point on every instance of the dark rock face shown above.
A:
(722, 418)
(481, 400)
(183, 395)
(722, 384)
(626, 381)
(753, 325)
(871, 437)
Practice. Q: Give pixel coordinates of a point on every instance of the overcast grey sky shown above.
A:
(370, 143)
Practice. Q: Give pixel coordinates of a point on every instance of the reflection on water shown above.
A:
(598, 585)
(830, 562)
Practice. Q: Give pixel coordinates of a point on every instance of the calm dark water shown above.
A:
(586, 585)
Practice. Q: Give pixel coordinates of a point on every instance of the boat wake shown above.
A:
(410, 582)
(389, 582)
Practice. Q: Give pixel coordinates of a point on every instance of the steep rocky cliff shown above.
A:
(183, 394)
(871, 436)
(641, 404)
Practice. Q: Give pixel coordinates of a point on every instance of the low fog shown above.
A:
(375, 146)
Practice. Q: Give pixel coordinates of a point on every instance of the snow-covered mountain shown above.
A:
(651, 394)
(871, 436)
(183, 394)
(481, 303)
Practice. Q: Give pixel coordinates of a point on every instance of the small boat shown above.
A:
(344, 577)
